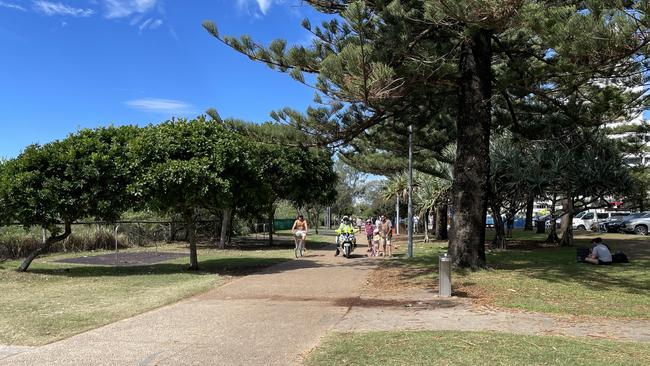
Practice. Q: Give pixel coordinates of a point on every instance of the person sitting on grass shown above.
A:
(600, 254)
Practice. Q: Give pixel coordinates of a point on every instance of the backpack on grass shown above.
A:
(582, 253)
(620, 257)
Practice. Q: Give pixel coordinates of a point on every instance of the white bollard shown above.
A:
(444, 276)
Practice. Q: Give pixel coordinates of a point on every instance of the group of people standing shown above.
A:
(380, 236)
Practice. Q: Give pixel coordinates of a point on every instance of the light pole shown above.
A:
(397, 210)
(410, 204)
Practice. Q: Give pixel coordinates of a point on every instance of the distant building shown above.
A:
(636, 132)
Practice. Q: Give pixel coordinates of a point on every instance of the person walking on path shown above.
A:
(374, 246)
(416, 221)
(386, 233)
(369, 228)
(299, 231)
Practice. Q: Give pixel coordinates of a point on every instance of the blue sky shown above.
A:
(68, 64)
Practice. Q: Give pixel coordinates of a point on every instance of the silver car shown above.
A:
(637, 225)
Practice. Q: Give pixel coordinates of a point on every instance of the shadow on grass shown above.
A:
(553, 265)
(280, 242)
(220, 266)
(558, 265)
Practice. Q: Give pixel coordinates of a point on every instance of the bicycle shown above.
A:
(299, 240)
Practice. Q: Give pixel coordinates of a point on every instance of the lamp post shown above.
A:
(397, 214)
(410, 204)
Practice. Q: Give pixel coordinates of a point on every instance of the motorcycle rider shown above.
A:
(345, 227)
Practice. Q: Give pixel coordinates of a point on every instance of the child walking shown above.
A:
(375, 243)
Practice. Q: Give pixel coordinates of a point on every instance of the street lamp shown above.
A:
(410, 204)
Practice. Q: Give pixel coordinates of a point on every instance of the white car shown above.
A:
(584, 220)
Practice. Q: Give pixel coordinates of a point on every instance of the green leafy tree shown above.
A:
(400, 60)
(83, 176)
(184, 166)
(289, 169)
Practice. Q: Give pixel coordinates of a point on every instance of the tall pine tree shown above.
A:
(377, 61)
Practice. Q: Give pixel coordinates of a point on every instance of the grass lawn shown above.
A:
(472, 348)
(545, 279)
(56, 300)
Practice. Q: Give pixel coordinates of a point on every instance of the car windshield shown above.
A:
(578, 216)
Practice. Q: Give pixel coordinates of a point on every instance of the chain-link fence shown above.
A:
(17, 242)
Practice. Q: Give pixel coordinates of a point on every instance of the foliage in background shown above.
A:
(84, 175)
(180, 169)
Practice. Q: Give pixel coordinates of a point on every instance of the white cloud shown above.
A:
(52, 8)
(11, 6)
(124, 8)
(160, 105)
(145, 24)
(155, 24)
(264, 5)
(150, 23)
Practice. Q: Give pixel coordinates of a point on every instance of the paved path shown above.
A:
(270, 318)
(278, 315)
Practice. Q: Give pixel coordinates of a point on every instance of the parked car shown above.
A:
(636, 225)
(588, 219)
(547, 221)
(613, 225)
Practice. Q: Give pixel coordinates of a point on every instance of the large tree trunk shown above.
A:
(313, 214)
(552, 235)
(441, 222)
(45, 246)
(499, 240)
(225, 227)
(194, 260)
(472, 167)
(566, 226)
(530, 204)
(271, 219)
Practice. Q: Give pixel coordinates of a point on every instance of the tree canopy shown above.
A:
(484, 64)
(182, 167)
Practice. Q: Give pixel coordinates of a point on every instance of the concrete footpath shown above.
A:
(271, 318)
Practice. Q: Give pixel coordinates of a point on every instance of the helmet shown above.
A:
(346, 219)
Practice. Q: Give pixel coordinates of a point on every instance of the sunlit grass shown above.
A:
(546, 279)
(472, 348)
(56, 300)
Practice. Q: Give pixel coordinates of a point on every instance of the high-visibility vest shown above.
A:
(345, 229)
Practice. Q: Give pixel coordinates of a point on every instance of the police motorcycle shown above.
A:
(346, 241)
